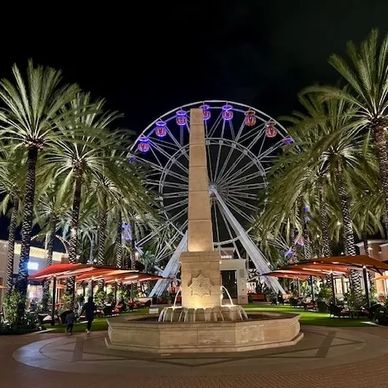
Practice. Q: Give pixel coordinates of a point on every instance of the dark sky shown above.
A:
(148, 60)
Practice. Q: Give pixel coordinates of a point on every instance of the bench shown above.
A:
(257, 297)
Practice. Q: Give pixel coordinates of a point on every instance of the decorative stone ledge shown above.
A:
(261, 331)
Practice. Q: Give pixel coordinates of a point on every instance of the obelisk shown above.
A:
(200, 266)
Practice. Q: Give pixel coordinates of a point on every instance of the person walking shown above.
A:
(69, 320)
(89, 308)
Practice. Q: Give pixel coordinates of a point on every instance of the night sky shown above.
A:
(148, 60)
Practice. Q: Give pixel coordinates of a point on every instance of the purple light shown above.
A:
(287, 140)
(181, 117)
(161, 129)
(132, 159)
(144, 144)
(300, 241)
(227, 112)
(205, 111)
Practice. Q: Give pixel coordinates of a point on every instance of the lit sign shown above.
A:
(33, 265)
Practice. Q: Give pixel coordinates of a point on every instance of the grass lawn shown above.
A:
(99, 324)
(310, 317)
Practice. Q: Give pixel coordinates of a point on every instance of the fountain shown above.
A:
(202, 323)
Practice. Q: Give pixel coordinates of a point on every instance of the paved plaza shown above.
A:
(326, 357)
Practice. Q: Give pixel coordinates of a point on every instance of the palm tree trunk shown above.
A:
(102, 234)
(326, 249)
(133, 246)
(28, 213)
(350, 249)
(380, 144)
(11, 243)
(49, 260)
(101, 240)
(74, 224)
(119, 242)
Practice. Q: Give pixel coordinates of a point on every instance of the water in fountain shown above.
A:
(176, 297)
(227, 293)
(228, 312)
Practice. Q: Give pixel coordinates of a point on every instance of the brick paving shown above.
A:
(326, 357)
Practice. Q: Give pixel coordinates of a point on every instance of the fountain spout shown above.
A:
(227, 293)
(176, 297)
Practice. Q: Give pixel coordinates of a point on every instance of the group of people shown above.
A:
(88, 309)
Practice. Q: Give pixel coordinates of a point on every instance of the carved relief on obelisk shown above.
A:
(200, 266)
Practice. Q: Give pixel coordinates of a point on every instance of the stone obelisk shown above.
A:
(200, 266)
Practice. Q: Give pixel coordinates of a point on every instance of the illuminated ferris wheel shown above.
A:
(241, 142)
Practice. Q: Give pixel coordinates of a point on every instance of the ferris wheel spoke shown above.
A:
(231, 129)
(155, 166)
(174, 185)
(150, 236)
(176, 205)
(173, 138)
(232, 236)
(254, 141)
(265, 154)
(252, 132)
(176, 162)
(239, 172)
(238, 210)
(217, 161)
(245, 178)
(176, 216)
(175, 194)
(215, 125)
(233, 167)
(225, 164)
(171, 146)
(209, 160)
(242, 203)
(242, 194)
(216, 221)
(182, 178)
(248, 187)
(240, 131)
(156, 157)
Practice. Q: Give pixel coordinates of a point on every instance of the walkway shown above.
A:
(326, 357)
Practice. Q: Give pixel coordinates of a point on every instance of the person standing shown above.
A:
(89, 308)
(69, 320)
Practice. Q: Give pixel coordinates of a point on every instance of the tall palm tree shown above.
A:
(331, 152)
(12, 176)
(31, 103)
(366, 74)
(79, 155)
(51, 206)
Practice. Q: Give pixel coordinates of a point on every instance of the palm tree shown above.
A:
(50, 207)
(79, 155)
(331, 153)
(12, 176)
(366, 74)
(31, 104)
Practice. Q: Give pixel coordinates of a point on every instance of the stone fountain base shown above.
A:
(258, 332)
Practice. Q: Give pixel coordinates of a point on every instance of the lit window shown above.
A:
(33, 265)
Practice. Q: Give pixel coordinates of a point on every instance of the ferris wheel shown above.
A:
(242, 143)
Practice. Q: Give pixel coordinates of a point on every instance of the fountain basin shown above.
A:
(259, 331)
